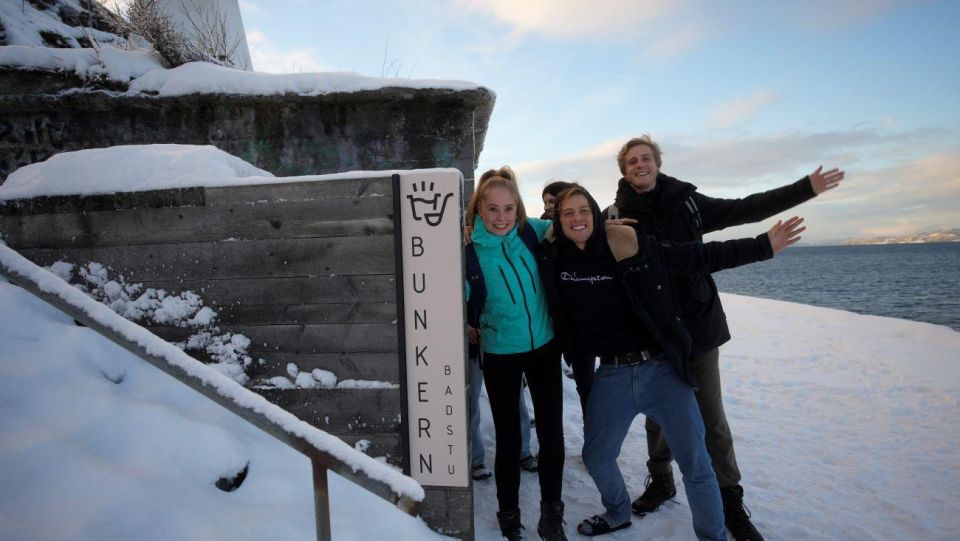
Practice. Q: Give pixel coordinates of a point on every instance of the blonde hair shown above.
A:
(496, 178)
(644, 139)
(572, 190)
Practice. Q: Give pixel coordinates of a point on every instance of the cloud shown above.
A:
(731, 113)
(903, 194)
(916, 196)
(681, 39)
(829, 15)
(267, 57)
(573, 18)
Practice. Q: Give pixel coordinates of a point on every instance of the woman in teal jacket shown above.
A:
(516, 338)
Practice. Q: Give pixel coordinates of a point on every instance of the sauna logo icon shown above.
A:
(428, 204)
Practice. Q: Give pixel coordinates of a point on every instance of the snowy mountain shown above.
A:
(944, 235)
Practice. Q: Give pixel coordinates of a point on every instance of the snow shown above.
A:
(366, 384)
(97, 444)
(23, 23)
(219, 383)
(131, 168)
(203, 77)
(325, 378)
(145, 75)
(110, 62)
(157, 307)
(152, 167)
(845, 428)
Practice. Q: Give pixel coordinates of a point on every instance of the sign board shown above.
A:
(428, 206)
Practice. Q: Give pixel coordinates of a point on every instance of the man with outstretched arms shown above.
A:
(674, 210)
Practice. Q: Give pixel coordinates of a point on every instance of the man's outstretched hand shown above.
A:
(783, 234)
(822, 182)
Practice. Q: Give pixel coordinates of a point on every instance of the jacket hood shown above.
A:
(597, 238)
(667, 192)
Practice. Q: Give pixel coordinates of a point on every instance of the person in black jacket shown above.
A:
(673, 210)
(610, 296)
(549, 197)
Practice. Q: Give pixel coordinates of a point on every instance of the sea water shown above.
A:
(909, 281)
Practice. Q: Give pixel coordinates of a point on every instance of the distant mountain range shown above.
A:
(944, 235)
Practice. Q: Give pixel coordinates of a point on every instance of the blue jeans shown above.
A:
(653, 388)
(476, 451)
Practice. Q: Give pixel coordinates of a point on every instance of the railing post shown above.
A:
(321, 500)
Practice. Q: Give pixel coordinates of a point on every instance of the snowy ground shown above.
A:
(845, 426)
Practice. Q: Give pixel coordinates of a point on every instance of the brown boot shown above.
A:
(551, 523)
(510, 524)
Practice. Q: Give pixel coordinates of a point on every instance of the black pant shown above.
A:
(583, 370)
(502, 374)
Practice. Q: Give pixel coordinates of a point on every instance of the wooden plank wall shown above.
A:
(304, 269)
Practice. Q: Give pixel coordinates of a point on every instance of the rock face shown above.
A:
(390, 128)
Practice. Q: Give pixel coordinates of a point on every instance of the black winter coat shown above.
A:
(663, 214)
(646, 265)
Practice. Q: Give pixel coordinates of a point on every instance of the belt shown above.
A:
(627, 359)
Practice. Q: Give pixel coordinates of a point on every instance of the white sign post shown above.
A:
(428, 211)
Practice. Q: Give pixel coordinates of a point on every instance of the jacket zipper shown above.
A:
(522, 292)
(530, 274)
(506, 283)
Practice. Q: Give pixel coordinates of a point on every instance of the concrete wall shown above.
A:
(392, 128)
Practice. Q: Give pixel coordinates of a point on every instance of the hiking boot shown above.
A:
(480, 473)
(659, 488)
(736, 515)
(551, 522)
(510, 524)
(529, 463)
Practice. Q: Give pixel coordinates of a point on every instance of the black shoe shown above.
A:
(510, 524)
(660, 488)
(480, 473)
(597, 525)
(736, 516)
(551, 522)
(529, 463)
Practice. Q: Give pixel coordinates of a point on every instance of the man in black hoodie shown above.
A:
(673, 210)
(610, 296)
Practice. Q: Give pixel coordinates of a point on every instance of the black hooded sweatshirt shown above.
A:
(595, 301)
(642, 275)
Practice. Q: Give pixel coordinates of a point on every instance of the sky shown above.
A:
(742, 96)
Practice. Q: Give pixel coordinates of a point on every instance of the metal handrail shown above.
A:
(253, 408)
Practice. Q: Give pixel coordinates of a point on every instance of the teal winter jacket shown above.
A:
(515, 316)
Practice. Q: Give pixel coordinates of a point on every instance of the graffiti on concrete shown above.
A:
(27, 140)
